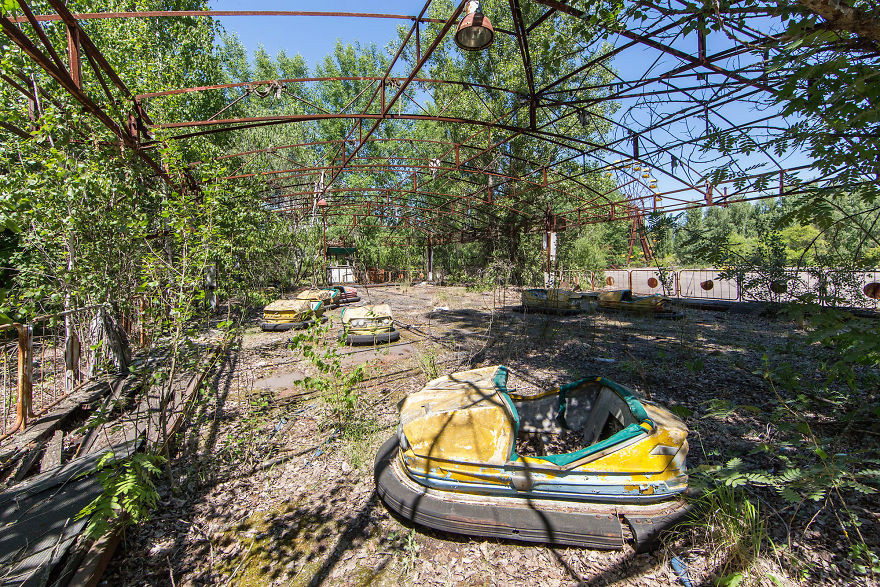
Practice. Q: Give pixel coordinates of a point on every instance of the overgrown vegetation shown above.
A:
(84, 221)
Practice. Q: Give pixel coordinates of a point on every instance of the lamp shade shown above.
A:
(475, 32)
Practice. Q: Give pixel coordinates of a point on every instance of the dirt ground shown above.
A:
(266, 492)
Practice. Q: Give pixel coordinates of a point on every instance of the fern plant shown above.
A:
(129, 492)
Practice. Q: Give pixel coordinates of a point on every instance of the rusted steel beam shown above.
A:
(89, 47)
(522, 38)
(61, 75)
(650, 42)
(311, 170)
(14, 130)
(41, 34)
(550, 12)
(298, 80)
(405, 84)
(218, 13)
(21, 89)
(605, 56)
(466, 198)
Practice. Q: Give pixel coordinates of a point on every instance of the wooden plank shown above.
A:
(52, 454)
(96, 560)
(38, 522)
(43, 530)
(44, 426)
(123, 387)
(49, 479)
(27, 462)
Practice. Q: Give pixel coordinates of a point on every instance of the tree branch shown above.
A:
(845, 18)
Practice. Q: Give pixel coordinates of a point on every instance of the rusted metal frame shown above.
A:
(421, 80)
(63, 77)
(405, 84)
(699, 203)
(550, 12)
(489, 110)
(339, 212)
(516, 134)
(582, 103)
(734, 180)
(315, 143)
(230, 105)
(415, 192)
(89, 47)
(41, 35)
(674, 117)
(359, 94)
(681, 116)
(385, 106)
(380, 90)
(672, 74)
(511, 138)
(21, 89)
(100, 77)
(645, 155)
(694, 60)
(309, 170)
(413, 100)
(605, 56)
(304, 198)
(452, 101)
(304, 101)
(664, 210)
(15, 130)
(180, 13)
(522, 38)
(739, 128)
(254, 122)
(73, 59)
(42, 91)
(435, 226)
(31, 96)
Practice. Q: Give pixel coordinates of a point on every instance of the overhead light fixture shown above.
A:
(475, 32)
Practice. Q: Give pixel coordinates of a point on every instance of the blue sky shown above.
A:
(312, 37)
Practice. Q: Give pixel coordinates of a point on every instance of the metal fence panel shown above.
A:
(706, 284)
(653, 280)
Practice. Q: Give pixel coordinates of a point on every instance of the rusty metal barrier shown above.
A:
(38, 371)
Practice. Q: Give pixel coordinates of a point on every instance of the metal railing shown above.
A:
(49, 357)
(826, 287)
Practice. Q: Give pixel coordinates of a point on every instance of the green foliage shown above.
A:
(129, 492)
(735, 527)
(337, 387)
(428, 364)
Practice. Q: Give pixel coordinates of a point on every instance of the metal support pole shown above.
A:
(24, 408)
(430, 260)
(550, 245)
(324, 242)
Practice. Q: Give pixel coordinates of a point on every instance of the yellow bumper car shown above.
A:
(283, 315)
(368, 325)
(587, 464)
